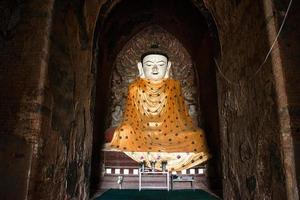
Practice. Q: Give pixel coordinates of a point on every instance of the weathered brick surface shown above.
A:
(45, 108)
(290, 54)
(65, 154)
(24, 50)
(253, 112)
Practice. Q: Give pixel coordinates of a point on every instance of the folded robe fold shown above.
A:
(156, 120)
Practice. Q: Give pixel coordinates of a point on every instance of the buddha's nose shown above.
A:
(154, 69)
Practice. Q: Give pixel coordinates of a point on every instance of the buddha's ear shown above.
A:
(141, 71)
(167, 75)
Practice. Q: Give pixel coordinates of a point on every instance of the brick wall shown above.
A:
(24, 51)
(255, 129)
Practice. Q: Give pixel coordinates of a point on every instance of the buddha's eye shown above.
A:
(161, 64)
(148, 64)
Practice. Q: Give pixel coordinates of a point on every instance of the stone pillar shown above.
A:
(23, 55)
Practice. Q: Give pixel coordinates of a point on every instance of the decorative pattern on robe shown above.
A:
(156, 120)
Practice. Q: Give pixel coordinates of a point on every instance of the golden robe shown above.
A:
(156, 120)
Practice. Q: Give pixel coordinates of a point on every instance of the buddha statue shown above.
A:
(156, 125)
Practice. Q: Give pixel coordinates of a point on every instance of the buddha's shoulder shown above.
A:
(173, 82)
(139, 82)
(135, 84)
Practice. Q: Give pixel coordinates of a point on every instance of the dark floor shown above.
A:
(134, 194)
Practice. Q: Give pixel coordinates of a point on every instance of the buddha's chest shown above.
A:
(155, 102)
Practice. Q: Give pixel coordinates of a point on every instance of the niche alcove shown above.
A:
(182, 21)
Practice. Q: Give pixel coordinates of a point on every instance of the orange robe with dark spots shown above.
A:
(156, 120)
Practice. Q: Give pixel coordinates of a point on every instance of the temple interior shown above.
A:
(66, 67)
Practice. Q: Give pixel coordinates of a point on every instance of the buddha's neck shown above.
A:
(155, 81)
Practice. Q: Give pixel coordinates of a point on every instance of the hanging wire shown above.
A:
(220, 71)
(268, 54)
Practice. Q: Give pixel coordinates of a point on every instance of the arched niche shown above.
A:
(118, 23)
(125, 70)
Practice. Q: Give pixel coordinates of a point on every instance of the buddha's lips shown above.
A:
(154, 73)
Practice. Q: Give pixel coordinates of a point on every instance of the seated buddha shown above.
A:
(156, 125)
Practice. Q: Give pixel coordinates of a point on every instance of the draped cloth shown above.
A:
(156, 126)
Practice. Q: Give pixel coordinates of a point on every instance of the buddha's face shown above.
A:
(155, 66)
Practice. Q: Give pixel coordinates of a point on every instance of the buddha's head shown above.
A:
(154, 66)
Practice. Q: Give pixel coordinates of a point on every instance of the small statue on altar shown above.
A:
(156, 125)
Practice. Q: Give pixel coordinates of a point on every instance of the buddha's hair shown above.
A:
(154, 49)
